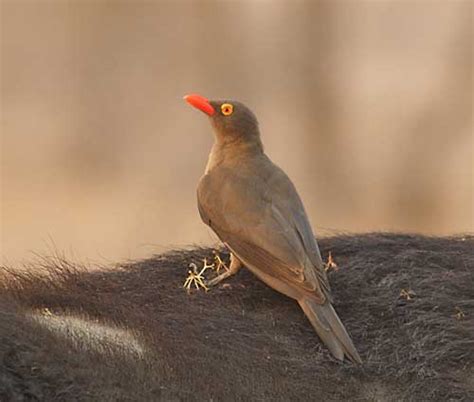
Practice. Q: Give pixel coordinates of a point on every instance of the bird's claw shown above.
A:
(196, 278)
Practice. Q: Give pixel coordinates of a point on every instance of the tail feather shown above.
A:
(330, 329)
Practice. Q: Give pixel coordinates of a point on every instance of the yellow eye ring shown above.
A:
(227, 109)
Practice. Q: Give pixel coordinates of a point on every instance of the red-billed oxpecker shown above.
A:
(254, 208)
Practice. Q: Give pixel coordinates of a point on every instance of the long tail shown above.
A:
(330, 329)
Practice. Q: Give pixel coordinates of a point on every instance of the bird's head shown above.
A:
(231, 120)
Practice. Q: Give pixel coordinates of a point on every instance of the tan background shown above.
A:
(366, 104)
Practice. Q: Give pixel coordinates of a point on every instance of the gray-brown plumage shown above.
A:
(254, 208)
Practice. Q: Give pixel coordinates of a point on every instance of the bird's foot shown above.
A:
(218, 262)
(196, 278)
(234, 267)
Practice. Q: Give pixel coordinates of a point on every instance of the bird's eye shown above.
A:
(227, 109)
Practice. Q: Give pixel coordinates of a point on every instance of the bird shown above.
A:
(255, 210)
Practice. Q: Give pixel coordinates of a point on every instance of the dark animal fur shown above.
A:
(245, 341)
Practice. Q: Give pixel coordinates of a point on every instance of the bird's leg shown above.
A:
(235, 265)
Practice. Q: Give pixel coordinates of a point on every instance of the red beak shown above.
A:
(200, 103)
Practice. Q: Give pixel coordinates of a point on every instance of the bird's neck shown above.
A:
(232, 152)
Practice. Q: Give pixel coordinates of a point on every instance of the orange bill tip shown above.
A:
(201, 103)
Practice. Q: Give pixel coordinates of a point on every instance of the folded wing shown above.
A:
(262, 220)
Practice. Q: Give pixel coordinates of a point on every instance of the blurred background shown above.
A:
(366, 104)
